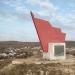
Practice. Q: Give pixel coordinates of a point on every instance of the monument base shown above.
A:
(56, 51)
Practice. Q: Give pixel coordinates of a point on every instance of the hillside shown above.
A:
(18, 44)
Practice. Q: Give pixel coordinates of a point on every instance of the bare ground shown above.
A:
(36, 66)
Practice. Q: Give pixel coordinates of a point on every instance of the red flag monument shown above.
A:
(48, 35)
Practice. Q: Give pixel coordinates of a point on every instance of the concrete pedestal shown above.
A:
(55, 51)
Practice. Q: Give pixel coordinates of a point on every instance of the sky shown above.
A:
(16, 23)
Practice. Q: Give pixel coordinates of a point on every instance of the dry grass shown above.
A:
(4, 62)
(40, 69)
(45, 68)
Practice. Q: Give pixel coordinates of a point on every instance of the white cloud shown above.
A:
(68, 20)
(19, 35)
(16, 16)
(47, 9)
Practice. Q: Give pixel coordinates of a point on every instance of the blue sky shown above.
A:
(16, 23)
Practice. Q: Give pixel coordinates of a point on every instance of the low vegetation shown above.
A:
(4, 63)
(40, 69)
(15, 50)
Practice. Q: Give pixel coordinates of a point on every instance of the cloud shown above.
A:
(52, 12)
(19, 35)
(18, 5)
(16, 16)
(47, 8)
(68, 21)
(44, 9)
(32, 2)
(20, 11)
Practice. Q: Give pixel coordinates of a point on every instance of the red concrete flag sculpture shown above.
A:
(47, 33)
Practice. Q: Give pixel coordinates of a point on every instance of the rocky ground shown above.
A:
(36, 66)
(27, 60)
